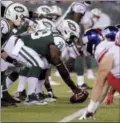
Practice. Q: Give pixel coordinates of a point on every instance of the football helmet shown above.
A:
(96, 12)
(44, 24)
(110, 33)
(43, 10)
(16, 13)
(93, 36)
(117, 39)
(56, 10)
(90, 40)
(69, 29)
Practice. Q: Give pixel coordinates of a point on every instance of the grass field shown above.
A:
(54, 112)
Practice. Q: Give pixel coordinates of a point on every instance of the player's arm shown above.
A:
(7, 58)
(55, 57)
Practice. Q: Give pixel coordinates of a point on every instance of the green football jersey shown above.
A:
(40, 41)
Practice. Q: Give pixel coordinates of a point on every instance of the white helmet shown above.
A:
(96, 12)
(6, 3)
(117, 39)
(43, 10)
(15, 12)
(69, 28)
(56, 10)
(44, 24)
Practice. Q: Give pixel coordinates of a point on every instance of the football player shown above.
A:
(106, 75)
(75, 12)
(110, 34)
(48, 44)
(12, 18)
(89, 20)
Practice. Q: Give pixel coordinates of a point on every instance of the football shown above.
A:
(79, 97)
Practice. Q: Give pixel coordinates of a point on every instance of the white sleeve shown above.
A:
(79, 8)
(4, 27)
(60, 43)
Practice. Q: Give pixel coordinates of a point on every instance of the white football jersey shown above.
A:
(109, 48)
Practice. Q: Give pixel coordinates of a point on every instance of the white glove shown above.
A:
(86, 114)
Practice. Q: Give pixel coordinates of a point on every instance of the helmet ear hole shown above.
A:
(16, 17)
(65, 32)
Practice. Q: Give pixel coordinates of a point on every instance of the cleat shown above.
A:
(8, 98)
(6, 104)
(33, 100)
(50, 97)
(20, 95)
(84, 87)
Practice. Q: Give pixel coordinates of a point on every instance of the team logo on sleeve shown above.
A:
(19, 9)
(72, 26)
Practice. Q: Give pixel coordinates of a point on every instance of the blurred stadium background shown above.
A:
(111, 8)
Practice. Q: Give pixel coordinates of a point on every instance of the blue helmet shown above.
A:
(117, 26)
(110, 32)
(92, 38)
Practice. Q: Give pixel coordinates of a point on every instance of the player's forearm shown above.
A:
(65, 75)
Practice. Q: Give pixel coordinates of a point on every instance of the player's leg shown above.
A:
(51, 97)
(78, 67)
(22, 80)
(5, 96)
(26, 55)
(88, 61)
(39, 87)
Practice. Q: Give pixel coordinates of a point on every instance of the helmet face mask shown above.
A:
(15, 12)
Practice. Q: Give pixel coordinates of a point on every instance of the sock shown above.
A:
(22, 83)
(39, 86)
(1, 91)
(32, 82)
(8, 82)
(90, 71)
(80, 80)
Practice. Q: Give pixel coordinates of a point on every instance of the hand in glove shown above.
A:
(86, 114)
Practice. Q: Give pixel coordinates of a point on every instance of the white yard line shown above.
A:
(72, 116)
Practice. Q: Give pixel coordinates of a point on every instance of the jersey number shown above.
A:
(40, 34)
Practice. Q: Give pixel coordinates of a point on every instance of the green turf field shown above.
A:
(56, 111)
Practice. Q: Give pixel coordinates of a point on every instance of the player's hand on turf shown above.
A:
(109, 100)
(86, 114)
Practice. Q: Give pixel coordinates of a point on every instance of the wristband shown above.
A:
(11, 60)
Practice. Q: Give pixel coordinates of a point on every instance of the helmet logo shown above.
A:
(19, 9)
(46, 10)
(47, 24)
(72, 26)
